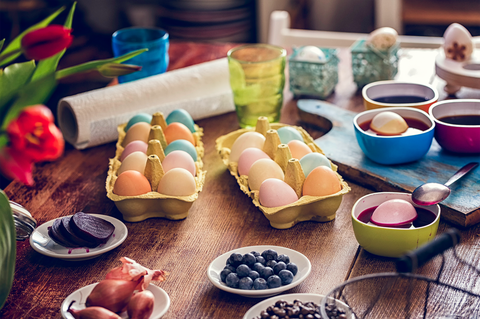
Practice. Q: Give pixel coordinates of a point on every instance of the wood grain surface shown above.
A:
(223, 218)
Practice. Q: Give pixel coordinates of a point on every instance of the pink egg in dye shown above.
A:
(298, 149)
(134, 146)
(275, 192)
(248, 157)
(394, 213)
(179, 159)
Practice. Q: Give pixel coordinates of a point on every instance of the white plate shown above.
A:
(255, 311)
(160, 307)
(42, 243)
(302, 262)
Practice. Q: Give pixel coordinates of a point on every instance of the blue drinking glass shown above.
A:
(154, 61)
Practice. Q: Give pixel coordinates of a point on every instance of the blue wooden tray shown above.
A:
(462, 207)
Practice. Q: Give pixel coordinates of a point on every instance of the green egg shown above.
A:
(288, 134)
(182, 145)
(181, 116)
(140, 117)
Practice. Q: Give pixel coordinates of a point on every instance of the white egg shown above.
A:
(388, 123)
(311, 53)
(382, 38)
(458, 44)
(244, 141)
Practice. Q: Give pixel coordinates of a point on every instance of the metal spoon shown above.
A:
(433, 193)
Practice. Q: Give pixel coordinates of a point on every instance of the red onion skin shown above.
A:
(111, 294)
(140, 305)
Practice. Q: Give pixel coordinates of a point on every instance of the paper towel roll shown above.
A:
(91, 118)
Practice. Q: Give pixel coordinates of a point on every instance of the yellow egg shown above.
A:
(261, 170)
(134, 162)
(177, 182)
(244, 141)
(321, 181)
(178, 131)
(388, 123)
(131, 183)
(298, 149)
(138, 132)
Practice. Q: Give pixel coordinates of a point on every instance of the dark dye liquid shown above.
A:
(424, 217)
(412, 123)
(461, 119)
(401, 99)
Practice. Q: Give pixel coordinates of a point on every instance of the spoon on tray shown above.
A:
(433, 193)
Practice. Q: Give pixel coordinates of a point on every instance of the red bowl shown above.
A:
(457, 136)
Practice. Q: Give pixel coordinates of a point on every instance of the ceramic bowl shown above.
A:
(392, 93)
(390, 150)
(458, 138)
(389, 241)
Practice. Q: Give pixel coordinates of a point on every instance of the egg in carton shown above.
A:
(153, 203)
(306, 208)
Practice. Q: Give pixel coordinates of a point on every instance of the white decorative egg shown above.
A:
(382, 38)
(311, 53)
(458, 44)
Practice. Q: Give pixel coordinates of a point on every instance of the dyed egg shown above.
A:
(311, 53)
(183, 117)
(134, 146)
(261, 170)
(182, 145)
(178, 131)
(138, 132)
(458, 43)
(177, 182)
(388, 123)
(248, 157)
(321, 181)
(135, 161)
(313, 160)
(394, 212)
(274, 193)
(131, 183)
(288, 134)
(140, 117)
(382, 38)
(244, 141)
(298, 149)
(179, 159)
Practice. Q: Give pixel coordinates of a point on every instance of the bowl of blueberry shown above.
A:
(259, 271)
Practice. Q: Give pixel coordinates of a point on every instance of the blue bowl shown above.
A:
(390, 150)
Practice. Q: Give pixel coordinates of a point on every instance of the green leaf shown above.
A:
(1, 44)
(16, 43)
(12, 79)
(50, 65)
(8, 248)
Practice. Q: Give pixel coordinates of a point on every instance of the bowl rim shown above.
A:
(440, 103)
(394, 82)
(393, 109)
(437, 209)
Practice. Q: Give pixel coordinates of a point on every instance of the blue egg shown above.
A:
(182, 145)
(313, 160)
(182, 116)
(140, 117)
(288, 134)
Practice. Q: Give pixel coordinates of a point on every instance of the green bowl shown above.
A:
(389, 241)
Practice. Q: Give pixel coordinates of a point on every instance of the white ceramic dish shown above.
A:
(42, 243)
(302, 262)
(161, 305)
(255, 311)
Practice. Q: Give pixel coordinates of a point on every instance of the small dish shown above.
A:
(302, 262)
(41, 242)
(254, 312)
(161, 305)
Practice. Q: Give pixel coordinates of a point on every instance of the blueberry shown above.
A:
(293, 268)
(245, 283)
(224, 273)
(271, 263)
(260, 283)
(243, 270)
(269, 254)
(279, 266)
(260, 259)
(286, 276)
(283, 258)
(258, 267)
(248, 259)
(253, 274)
(232, 269)
(255, 253)
(274, 281)
(235, 259)
(266, 272)
(232, 280)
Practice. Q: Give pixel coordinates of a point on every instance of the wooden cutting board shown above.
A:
(462, 207)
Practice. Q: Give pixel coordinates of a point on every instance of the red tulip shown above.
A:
(15, 165)
(45, 42)
(34, 134)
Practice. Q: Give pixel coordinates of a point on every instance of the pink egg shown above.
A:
(248, 157)
(298, 149)
(179, 159)
(393, 213)
(134, 146)
(274, 193)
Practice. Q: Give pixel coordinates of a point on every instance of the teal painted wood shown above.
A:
(340, 145)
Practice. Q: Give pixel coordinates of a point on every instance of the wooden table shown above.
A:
(223, 218)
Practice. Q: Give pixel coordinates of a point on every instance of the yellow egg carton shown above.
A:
(154, 204)
(314, 208)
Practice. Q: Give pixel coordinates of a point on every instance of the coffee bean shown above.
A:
(299, 310)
